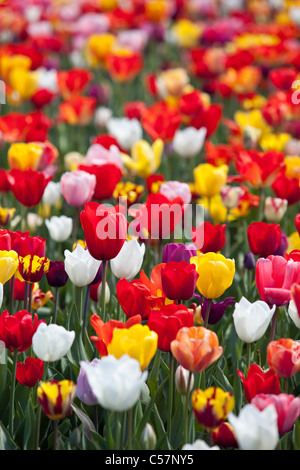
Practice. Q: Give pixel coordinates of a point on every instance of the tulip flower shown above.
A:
(216, 309)
(251, 320)
(182, 377)
(293, 313)
(57, 275)
(274, 277)
(30, 372)
(209, 179)
(224, 436)
(260, 169)
(25, 245)
(173, 189)
(127, 264)
(80, 266)
(145, 158)
(8, 265)
(77, 110)
(126, 131)
(116, 383)
(83, 389)
(188, 142)
(70, 184)
(148, 439)
(161, 121)
(274, 209)
(52, 342)
(211, 406)
(167, 321)
(23, 156)
(107, 177)
(105, 230)
(255, 429)
(195, 348)
(209, 238)
(283, 357)
(259, 381)
(178, 252)
(231, 196)
(104, 331)
(52, 193)
(199, 444)
(32, 268)
(179, 280)
(60, 228)
(264, 239)
(287, 408)
(124, 64)
(138, 342)
(135, 298)
(56, 397)
(28, 186)
(215, 274)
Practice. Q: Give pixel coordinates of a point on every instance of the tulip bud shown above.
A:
(148, 438)
(181, 380)
(249, 261)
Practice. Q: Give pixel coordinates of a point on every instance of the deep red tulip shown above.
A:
(179, 280)
(30, 372)
(209, 237)
(264, 239)
(105, 230)
(28, 186)
(224, 436)
(24, 244)
(16, 331)
(167, 321)
(107, 177)
(259, 381)
(57, 276)
(283, 78)
(274, 277)
(135, 298)
(286, 188)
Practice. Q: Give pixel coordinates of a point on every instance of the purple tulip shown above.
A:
(83, 389)
(217, 309)
(178, 252)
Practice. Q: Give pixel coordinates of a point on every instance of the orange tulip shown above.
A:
(283, 357)
(195, 348)
(124, 65)
(78, 110)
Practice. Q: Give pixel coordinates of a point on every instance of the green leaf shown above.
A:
(88, 425)
(6, 442)
(296, 435)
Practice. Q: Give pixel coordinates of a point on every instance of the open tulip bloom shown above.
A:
(149, 226)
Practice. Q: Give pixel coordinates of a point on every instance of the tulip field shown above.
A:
(150, 226)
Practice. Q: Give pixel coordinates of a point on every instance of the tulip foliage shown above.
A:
(149, 225)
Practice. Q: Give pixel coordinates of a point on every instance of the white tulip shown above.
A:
(60, 228)
(293, 313)
(52, 342)
(189, 141)
(252, 320)
(126, 131)
(80, 266)
(52, 193)
(102, 116)
(116, 383)
(128, 262)
(199, 445)
(255, 429)
(274, 209)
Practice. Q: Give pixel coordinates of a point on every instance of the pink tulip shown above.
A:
(173, 189)
(99, 155)
(287, 408)
(274, 278)
(77, 187)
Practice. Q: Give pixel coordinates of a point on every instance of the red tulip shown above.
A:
(286, 188)
(283, 357)
(24, 244)
(107, 177)
(16, 331)
(179, 280)
(274, 278)
(209, 237)
(78, 110)
(224, 436)
(259, 381)
(264, 239)
(283, 77)
(124, 68)
(28, 186)
(135, 298)
(167, 321)
(160, 121)
(260, 169)
(297, 223)
(30, 372)
(72, 82)
(105, 230)
(287, 408)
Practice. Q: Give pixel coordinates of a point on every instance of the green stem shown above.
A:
(130, 434)
(248, 355)
(11, 296)
(55, 434)
(54, 320)
(207, 313)
(12, 394)
(261, 204)
(171, 393)
(186, 409)
(39, 413)
(85, 310)
(103, 289)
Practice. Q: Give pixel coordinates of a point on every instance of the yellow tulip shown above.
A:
(98, 47)
(209, 179)
(274, 141)
(6, 214)
(293, 242)
(292, 167)
(253, 118)
(187, 33)
(145, 159)
(9, 63)
(217, 211)
(8, 265)
(138, 341)
(24, 156)
(24, 82)
(215, 274)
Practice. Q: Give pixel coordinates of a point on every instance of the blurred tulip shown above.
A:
(274, 209)
(224, 436)
(145, 158)
(70, 184)
(52, 342)
(189, 141)
(264, 239)
(116, 383)
(173, 189)
(8, 265)
(126, 131)
(251, 320)
(283, 357)
(30, 372)
(60, 228)
(56, 397)
(209, 179)
(209, 238)
(83, 389)
(178, 252)
(28, 186)
(255, 429)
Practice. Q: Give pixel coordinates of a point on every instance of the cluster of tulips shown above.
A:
(149, 225)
